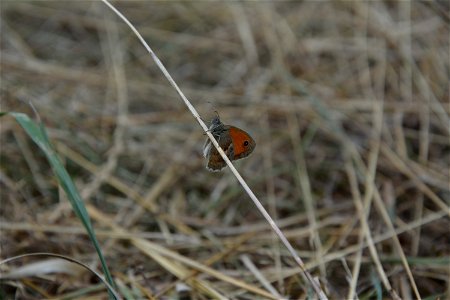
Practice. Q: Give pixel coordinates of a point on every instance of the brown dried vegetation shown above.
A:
(348, 103)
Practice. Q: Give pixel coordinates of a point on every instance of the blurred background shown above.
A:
(348, 103)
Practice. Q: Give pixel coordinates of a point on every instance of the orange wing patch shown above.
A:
(243, 143)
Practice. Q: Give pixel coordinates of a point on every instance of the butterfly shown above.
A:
(235, 142)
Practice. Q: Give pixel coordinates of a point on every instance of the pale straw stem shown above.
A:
(258, 204)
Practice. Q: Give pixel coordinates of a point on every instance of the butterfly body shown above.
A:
(235, 142)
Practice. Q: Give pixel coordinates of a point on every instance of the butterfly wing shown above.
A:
(243, 144)
(215, 161)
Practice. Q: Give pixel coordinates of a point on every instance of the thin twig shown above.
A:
(70, 259)
(194, 112)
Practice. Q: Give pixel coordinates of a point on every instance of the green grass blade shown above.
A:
(38, 134)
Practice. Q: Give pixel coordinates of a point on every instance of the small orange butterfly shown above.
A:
(235, 142)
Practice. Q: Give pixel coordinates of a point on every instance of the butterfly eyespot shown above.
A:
(246, 143)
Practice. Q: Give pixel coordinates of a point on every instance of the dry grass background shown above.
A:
(348, 103)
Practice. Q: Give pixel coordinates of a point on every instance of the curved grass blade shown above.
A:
(38, 134)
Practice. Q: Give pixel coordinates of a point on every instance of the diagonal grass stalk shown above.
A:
(314, 284)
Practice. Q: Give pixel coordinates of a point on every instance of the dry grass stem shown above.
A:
(238, 176)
